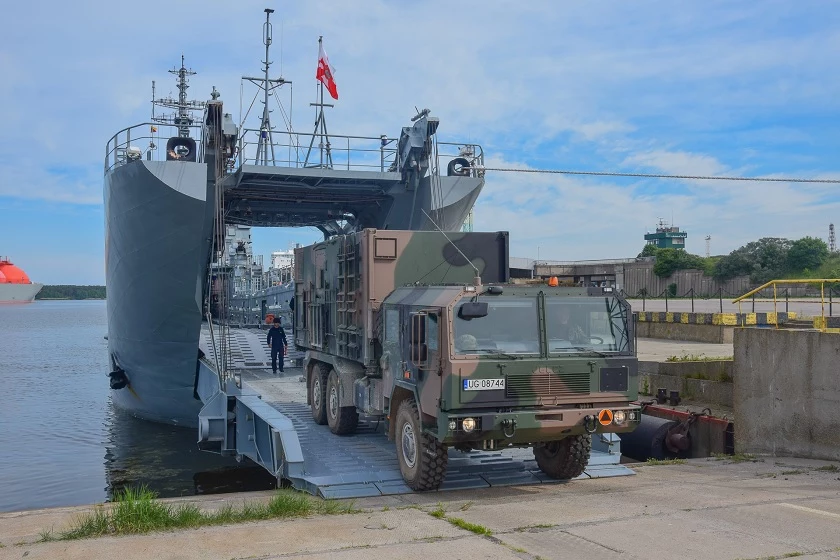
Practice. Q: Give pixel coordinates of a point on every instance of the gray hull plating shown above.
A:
(156, 253)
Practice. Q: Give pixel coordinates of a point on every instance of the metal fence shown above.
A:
(149, 138)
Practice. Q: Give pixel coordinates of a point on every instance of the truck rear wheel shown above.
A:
(341, 419)
(318, 393)
(566, 458)
(422, 458)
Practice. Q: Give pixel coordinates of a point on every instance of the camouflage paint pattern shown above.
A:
(363, 297)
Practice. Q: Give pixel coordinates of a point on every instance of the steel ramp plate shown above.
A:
(365, 463)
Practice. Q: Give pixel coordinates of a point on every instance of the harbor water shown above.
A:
(62, 441)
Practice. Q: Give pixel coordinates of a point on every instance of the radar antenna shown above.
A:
(183, 118)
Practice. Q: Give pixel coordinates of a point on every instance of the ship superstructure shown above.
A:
(175, 184)
(15, 285)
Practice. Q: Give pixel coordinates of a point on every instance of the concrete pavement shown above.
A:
(705, 508)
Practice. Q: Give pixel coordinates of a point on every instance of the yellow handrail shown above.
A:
(821, 281)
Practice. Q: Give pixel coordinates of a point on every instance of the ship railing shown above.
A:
(360, 153)
(149, 137)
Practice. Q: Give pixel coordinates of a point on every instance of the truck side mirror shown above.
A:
(472, 310)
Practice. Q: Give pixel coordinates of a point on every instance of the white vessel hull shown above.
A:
(19, 293)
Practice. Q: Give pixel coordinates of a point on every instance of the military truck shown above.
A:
(422, 330)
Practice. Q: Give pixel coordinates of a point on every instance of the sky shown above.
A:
(708, 88)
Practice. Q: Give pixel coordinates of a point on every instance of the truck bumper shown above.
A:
(524, 427)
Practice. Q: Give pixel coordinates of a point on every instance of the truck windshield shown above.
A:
(586, 324)
(510, 327)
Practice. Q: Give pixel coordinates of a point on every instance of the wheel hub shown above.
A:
(316, 396)
(333, 402)
(409, 446)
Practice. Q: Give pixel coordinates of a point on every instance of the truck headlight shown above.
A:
(619, 417)
(453, 425)
(468, 424)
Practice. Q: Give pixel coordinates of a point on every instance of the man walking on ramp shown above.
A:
(277, 342)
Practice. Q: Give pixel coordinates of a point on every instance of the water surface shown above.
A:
(63, 443)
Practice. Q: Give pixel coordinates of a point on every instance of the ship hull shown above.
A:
(19, 293)
(158, 228)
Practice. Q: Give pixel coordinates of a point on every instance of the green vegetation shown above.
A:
(772, 258)
(652, 461)
(828, 468)
(440, 513)
(71, 292)
(467, 526)
(737, 457)
(686, 357)
(795, 471)
(767, 259)
(535, 526)
(138, 511)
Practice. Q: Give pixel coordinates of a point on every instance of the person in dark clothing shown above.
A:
(277, 342)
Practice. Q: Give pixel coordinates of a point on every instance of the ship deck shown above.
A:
(365, 463)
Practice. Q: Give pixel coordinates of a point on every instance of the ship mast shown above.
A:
(265, 145)
(183, 118)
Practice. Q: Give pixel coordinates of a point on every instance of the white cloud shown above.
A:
(705, 88)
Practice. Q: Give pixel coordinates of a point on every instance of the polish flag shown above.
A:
(325, 72)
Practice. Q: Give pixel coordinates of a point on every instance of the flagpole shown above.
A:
(320, 123)
(321, 109)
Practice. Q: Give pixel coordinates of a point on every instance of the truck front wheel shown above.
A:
(566, 458)
(342, 419)
(422, 458)
(318, 392)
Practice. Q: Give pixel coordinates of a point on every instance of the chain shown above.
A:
(661, 176)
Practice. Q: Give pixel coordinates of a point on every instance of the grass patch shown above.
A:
(828, 468)
(796, 471)
(137, 511)
(46, 535)
(467, 526)
(686, 357)
(737, 457)
(652, 461)
(535, 526)
(438, 512)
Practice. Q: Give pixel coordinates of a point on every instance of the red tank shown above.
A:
(10, 274)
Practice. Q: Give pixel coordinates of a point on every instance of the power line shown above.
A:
(660, 176)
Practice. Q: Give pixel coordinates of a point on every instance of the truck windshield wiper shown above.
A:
(497, 352)
(591, 350)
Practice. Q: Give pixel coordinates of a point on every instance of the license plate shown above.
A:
(484, 384)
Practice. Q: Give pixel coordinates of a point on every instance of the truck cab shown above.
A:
(488, 367)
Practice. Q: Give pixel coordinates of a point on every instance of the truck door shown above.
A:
(424, 357)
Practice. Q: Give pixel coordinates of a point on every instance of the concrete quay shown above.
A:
(705, 508)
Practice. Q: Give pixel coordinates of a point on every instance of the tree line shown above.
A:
(71, 292)
(763, 260)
